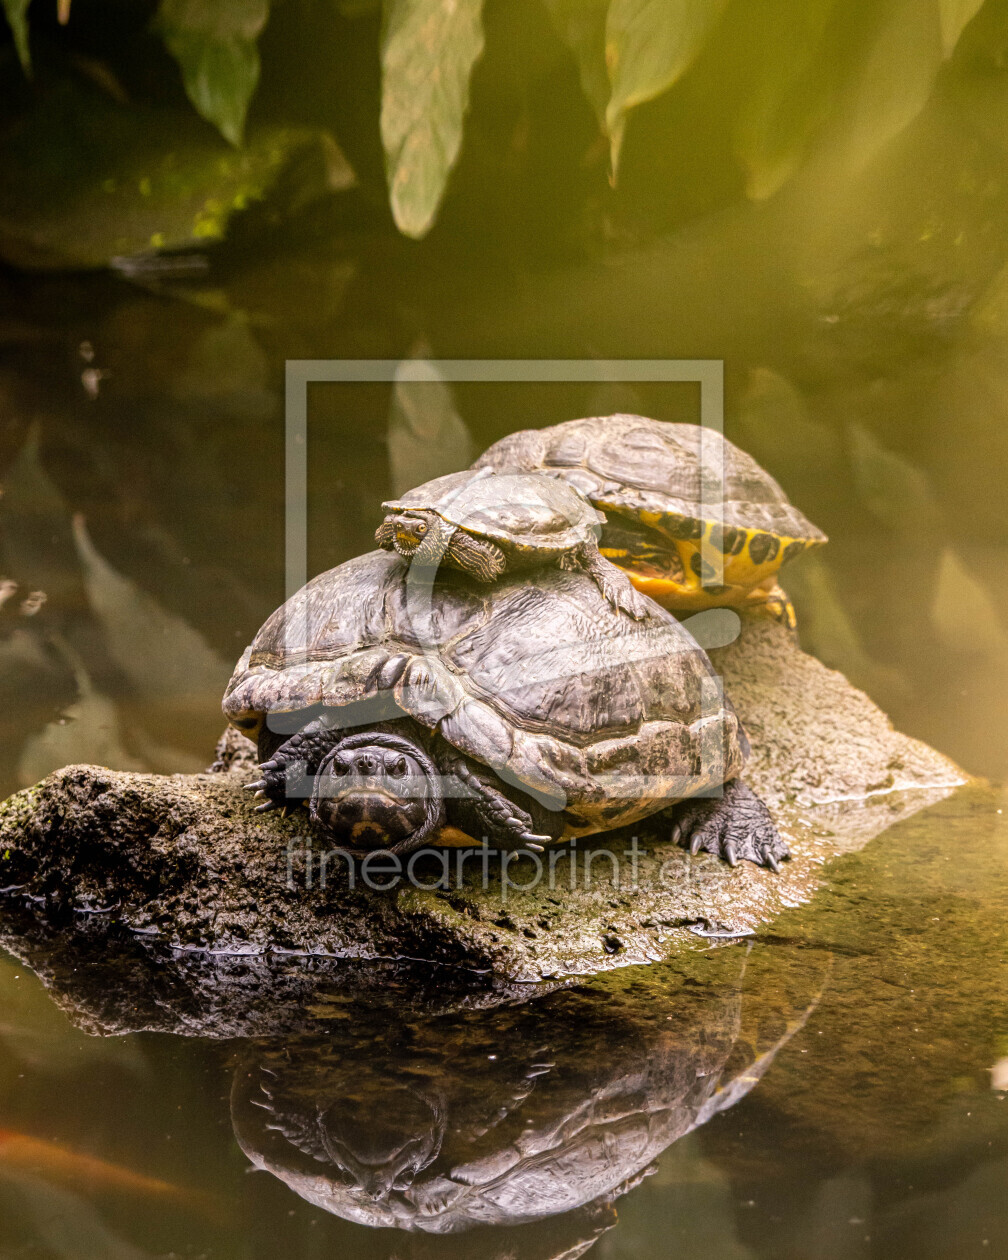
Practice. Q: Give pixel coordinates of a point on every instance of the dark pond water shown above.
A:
(837, 1088)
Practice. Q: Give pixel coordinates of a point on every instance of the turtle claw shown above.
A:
(532, 840)
(735, 828)
(266, 806)
(259, 786)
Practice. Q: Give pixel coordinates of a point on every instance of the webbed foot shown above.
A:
(735, 827)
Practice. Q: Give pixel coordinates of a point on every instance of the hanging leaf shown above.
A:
(428, 51)
(581, 24)
(893, 82)
(955, 16)
(649, 45)
(793, 82)
(16, 12)
(895, 491)
(426, 435)
(215, 46)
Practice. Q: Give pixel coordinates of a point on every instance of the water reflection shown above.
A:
(502, 1121)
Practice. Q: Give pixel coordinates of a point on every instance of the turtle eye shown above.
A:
(421, 527)
(339, 767)
(398, 768)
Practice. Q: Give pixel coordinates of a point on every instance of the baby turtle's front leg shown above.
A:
(611, 581)
(736, 825)
(287, 777)
(479, 558)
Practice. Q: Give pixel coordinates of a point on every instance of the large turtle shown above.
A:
(516, 713)
(695, 521)
(487, 525)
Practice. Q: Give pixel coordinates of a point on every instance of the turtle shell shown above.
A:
(526, 511)
(667, 476)
(603, 717)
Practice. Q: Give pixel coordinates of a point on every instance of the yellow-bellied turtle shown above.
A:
(517, 713)
(487, 525)
(685, 536)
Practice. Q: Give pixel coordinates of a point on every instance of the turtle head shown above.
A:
(418, 534)
(381, 1143)
(378, 791)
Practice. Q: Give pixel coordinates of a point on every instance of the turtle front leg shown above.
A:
(482, 809)
(287, 777)
(736, 825)
(478, 558)
(611, 581)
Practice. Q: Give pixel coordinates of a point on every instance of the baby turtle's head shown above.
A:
(415, 531)
(378, 791)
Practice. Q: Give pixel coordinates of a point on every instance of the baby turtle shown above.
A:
(487, 525)
(688, 537)
(517, 714)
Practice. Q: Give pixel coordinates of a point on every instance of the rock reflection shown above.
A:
(506, 1118)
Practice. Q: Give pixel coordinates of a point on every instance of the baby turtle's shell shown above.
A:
(607, 718)
(526, 512)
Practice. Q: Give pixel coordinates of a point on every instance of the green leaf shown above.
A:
(793, 81)
(215, 46)
(955, 16)
(16, 12)
(428, 51)
(649, 45)
(893, 83)
(581, 24)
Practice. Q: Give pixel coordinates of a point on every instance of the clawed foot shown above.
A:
(737, 826)
(285, 780)
(614, 584)
(510, 825)
(622, 594)
(271, 787)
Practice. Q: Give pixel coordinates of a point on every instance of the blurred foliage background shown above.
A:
(813, 191)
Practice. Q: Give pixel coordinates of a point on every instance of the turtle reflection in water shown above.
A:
(503, 1119)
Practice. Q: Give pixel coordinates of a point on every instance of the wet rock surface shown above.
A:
(183, 863)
